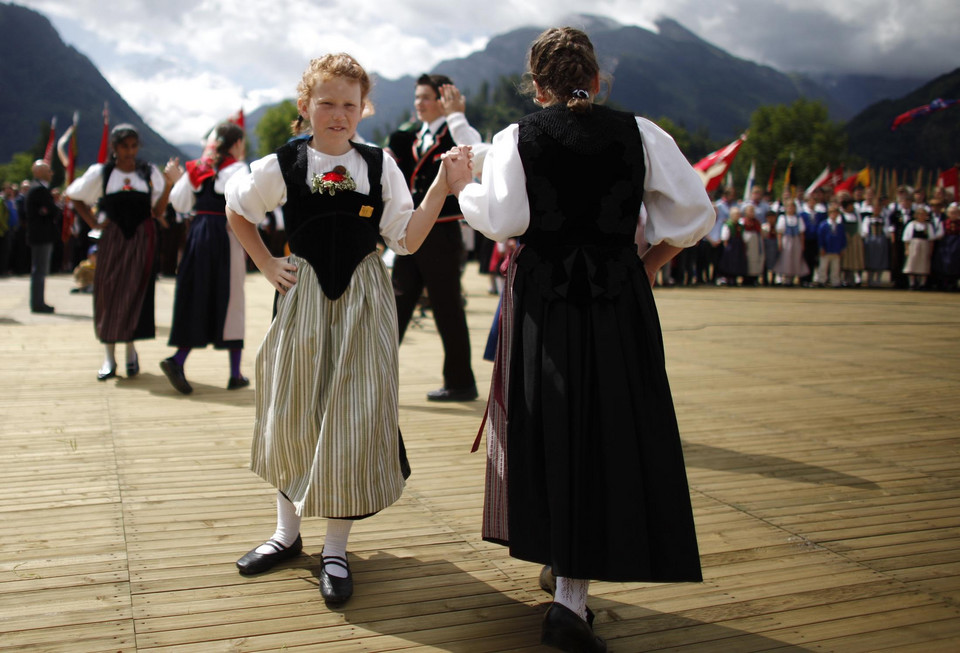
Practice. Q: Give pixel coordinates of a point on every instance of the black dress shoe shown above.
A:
(335, 590)
(103, 375)
(451, 394)
(563, 629)
(548, 583)
(237, 382)
(256, 563)
(133, 368)
(174, 372)
(42, 309)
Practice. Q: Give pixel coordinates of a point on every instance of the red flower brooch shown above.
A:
(338, 179)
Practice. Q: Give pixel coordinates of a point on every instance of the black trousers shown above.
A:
(436, 267)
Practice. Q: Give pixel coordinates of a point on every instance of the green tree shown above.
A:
(800, 132)
(273, 130)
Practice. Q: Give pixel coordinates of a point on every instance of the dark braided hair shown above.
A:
(228, 134)
(564, 65)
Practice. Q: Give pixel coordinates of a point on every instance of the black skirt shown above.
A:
(597, 484)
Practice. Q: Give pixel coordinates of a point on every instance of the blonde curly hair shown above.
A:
(326, 67)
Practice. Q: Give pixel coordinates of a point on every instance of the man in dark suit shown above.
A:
(43, 228)
(436, 265)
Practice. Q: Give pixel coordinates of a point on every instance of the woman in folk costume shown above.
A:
(752, 244)
(791, 228)
(208, 306)
(585, 470)
(131, 194)
(326, 432)
(948, 254)
(918, 236)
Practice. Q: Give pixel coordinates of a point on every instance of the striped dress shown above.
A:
(326, 431)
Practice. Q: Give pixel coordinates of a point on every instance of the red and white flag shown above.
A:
(949, 180)
(714, 166)
(51, 142)
(826, 178)
(105, 137)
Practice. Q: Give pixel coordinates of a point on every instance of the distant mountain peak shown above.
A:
(590, 22)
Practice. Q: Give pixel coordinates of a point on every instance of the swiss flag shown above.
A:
(949, 179)
(714, 166)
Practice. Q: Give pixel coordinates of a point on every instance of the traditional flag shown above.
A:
(938, 104)
(773, 172)
(949, 180)
(826, 177)
(863, 177)
(786, 176)
(714, 166)
(748, 187)
(105, 137)
(67, 151)
(238, 119)
(51, 141)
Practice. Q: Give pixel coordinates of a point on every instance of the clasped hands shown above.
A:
(458, 167)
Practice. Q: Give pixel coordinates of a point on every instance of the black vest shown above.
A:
(207, 200)
(584, 180)
(420, 172)
(332, 232)
(128, 209)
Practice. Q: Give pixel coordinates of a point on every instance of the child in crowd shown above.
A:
(752, 244)
(832, 238)
(326, 433)
(791, 229)
(771, 248)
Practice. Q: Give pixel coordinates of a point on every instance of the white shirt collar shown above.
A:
(434, 126)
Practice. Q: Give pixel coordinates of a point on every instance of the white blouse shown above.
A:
(89, 188)
(182, 196)
(679, 211)
(252, 194)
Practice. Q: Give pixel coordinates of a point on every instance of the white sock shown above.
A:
(288, 525)
(131, 353)
(335, 544)
(572, 593)
(109, 360)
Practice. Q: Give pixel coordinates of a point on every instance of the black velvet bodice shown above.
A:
(127, 208)
(207, 200)
(332, 232)
(584, 180)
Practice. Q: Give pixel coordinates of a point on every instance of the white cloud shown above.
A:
(183, 64)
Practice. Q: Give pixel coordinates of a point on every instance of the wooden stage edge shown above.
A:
(821, 430)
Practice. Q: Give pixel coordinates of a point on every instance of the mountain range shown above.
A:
(669, 73)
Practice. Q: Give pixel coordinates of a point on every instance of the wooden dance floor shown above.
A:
(822, 439)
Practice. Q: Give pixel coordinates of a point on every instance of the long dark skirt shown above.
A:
(597, 486)
(947, 256)
(204, 289)
(124, 282)
(733, 261)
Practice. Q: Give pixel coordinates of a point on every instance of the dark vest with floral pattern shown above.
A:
(332, 232)
(584, 180)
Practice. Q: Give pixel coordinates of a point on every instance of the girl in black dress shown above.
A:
(585, 468)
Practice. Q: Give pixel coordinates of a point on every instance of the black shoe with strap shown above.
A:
(565, 630)
(256, 563)
(335, 590)
(548, 583)
(175, 375)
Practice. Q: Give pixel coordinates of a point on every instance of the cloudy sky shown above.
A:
(184, 64)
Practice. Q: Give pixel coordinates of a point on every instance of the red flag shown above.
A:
(938, 104)
(714, 166)
(238, 119)
(847, 184)
(949, 179)
(105, 138)
(48, 153)
(773, 172)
